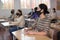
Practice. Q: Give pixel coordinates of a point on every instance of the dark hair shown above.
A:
(31, 9)
(53, 20)
(35, 9)
(12, 11)
(20, 13)
(44, 7)
(54, 9)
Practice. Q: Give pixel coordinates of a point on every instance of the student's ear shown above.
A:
(42, 10)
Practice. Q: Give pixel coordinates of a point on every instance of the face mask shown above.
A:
(17, 14)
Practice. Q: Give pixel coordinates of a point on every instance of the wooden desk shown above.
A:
(4, 33)
(21, 36)
(56, 30)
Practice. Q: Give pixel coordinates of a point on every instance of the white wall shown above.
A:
(5, 12)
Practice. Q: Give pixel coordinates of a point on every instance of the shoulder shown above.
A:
(21, 17)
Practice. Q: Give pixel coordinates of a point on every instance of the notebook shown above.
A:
(5, 23)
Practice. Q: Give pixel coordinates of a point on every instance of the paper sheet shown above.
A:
(5, 23)
(29, 19)
(27, 38)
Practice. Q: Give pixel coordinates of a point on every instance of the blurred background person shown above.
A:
(35, 14)
(54, 13)
(12, 16)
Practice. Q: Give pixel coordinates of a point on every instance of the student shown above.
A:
(35, 14)
(19, 22)
(54, 13)
(12, 15)
(43, 23)
(20, 19)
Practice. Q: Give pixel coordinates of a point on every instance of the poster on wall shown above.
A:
(58, 4)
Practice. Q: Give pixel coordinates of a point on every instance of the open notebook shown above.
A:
(29, 19)
(5, 23)
(27, 38)
(23, 36)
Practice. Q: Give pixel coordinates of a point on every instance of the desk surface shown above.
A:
(21, 36)
(4, 33)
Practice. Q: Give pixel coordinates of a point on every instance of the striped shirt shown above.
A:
(43, 24)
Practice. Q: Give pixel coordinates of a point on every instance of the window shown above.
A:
(25, 3)
(8, 4)
(33, 3)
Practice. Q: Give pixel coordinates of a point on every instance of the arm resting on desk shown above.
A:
(14, 23)
(37, 33)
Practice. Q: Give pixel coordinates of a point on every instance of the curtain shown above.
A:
(8, 4)
(33, 3)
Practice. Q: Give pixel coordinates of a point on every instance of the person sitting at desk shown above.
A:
(12, 16)
(42, 27)
(54, 13)
(35, 14)
(19, 22)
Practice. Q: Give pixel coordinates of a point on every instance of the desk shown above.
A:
(21, 36)
(56, 28)
(4, 33)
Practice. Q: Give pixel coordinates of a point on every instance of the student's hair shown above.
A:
(53, 21)
(20, 12)
(54, 10)
(44, 7)
(12, 11)
(35, 9)
(32, 9)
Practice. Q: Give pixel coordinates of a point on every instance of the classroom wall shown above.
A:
(6, 12)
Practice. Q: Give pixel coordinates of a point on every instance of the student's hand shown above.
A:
(36, 33)
(30, 32)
